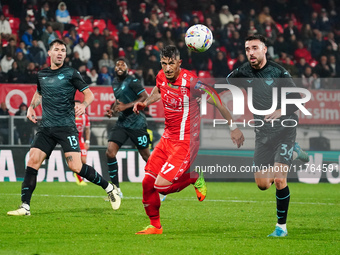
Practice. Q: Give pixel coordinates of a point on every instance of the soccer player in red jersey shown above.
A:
(166, 170)
(83, 124)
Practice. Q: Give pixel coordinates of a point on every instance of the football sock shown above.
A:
(93, 176)
(113, 170)
(282, 226)
(28, 185)
(282, 203)
(151, 200)
(184, 181)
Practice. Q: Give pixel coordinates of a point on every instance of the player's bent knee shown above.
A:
(263, 184)
(110, 154)
(280, 183)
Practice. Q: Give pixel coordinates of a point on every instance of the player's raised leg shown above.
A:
(300, 154)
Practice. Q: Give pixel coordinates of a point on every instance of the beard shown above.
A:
(122, 76)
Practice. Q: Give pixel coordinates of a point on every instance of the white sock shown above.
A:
(109, 188)
(118, 189)
(26, 206)
(283, 226)
(295, 155)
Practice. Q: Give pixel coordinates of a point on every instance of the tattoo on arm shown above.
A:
(85, 103)
(69, 158)
(36, 101)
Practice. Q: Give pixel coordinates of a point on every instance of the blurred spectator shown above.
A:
(5, 28)
(105, 61)
(27, 37)
(306, 35)
(181, 30)
(184, 53)
(125, 38)
(334, 66)
(69, 46)
(3, 76)
(111, 49)
(317, 45)
(225, 16)
(288, 64)
(74, 36)
(280, 45)
(148, 32)
(83, 74)
(22, 62)
(84, 53)
(264, 15)
(302, 65)
(22, 48)
(104, 78)
(141, 14)
(322, 69)
(24, 25)
(11, 47)
(325, 24)
(131, 57)
(241, 59)
(220, 68)
(23, 126)
(4, 130)
(6, 63)
(309, 79)
(96, 54)
(302, 52)
(49, 15)
(330, 43)
(139, 43)
(48, 36)
(14, 75)
(36, 54)
(290, 30)
(168, 39)
(76, 61)
(31, 73)
(314, 21)
(200, 60)
(93, 75)
(63, 16)
(213, 15)
(39, 28)
(237, 24)
(235, 45)
(96, 36)
(154, 21)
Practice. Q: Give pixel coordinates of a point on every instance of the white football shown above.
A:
(198, 38)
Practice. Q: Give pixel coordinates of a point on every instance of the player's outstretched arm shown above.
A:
(88, 98)
(152, 98)
(236, 134)
(36, 100)
(120, 106)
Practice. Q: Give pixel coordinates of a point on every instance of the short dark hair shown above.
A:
(57, 41)
(170, 51)
(124, 60)
(257, 37)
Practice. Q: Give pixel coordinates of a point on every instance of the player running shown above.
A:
(56, 88)
(167, 170)
(83, 124)
(274, 144)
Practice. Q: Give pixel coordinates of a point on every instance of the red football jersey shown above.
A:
(181, 109)
(82, 122)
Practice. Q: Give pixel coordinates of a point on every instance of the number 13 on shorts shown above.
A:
(167, 167)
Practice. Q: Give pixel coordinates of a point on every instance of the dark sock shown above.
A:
(282, 203)
(89, 173)
(28, 185)
(113, 170)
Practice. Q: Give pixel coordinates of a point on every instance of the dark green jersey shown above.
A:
(263, 81)
(127, 91)
(57, 88)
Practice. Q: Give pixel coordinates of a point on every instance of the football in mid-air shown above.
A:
(198, 38)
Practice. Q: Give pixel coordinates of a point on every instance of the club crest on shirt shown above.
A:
(61, 76)
(184, 90)
(269, 81)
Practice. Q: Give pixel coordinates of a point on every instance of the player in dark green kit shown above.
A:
(127, 90)
(56, 88)
(275, 145)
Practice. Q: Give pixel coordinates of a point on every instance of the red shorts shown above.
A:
(82, 147)
(172, 158)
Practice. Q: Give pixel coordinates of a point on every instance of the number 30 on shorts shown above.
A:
(142, 140)
(167, 167)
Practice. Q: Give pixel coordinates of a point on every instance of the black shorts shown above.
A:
(139, 137)
(48, 137)
(274, 148)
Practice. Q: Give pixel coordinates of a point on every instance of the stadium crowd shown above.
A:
(303, 36)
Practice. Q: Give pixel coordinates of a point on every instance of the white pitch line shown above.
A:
(178, 199)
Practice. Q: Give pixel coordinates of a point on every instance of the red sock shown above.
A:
(184, 181)
(151, 200)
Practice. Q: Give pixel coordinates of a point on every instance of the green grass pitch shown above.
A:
(235, 218)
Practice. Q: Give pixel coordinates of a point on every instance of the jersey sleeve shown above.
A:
(136, 86)
(287, 80)
(78, 81)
